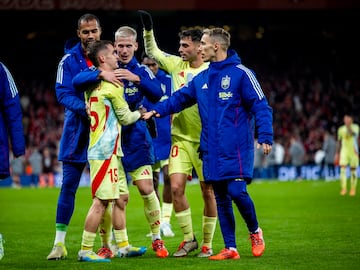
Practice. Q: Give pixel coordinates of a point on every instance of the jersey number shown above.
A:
(113, 174)
(94, 115)
(174, 151)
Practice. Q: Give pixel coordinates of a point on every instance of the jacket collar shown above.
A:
(232, 59)
(133, 62)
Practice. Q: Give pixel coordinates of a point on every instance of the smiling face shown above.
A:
(125, 43)
(88, 31)
(126, 48)
(188, 49)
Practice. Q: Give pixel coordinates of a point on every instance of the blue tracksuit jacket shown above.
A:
(136, 140)
(162, 143)
(75, 136)
(231, 103)
(10, 121)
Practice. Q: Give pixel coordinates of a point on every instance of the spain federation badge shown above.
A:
(225, 82)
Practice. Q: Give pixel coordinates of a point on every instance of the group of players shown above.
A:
(104, 90)
(103, 81)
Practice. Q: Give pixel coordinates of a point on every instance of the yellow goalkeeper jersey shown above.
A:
(108, 111)
(185, 124)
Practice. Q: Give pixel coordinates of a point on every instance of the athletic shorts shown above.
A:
(349, 159)
(141, 173)
(160, 164)
(184, 157)
(107, 178)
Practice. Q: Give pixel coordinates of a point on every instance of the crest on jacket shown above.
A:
(225, 82)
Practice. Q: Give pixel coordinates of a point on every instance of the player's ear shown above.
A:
(136, 46)
(101, 58)
(216, 46)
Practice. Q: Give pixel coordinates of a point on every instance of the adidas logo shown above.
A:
(145, 172)
(204, 86)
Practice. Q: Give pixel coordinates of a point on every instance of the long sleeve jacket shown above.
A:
(10, 121)
(231, 105)
(136, 140)
(75, 136)
(162, 143)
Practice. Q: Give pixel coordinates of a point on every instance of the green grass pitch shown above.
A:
(307, 225)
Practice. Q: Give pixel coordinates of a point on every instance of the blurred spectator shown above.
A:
(279, 151)
(17, 170)
(259, 159)
(47, 178)
(269, 165)
(275, 159)
(297, 155)
(329, 148)
(35, 161)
